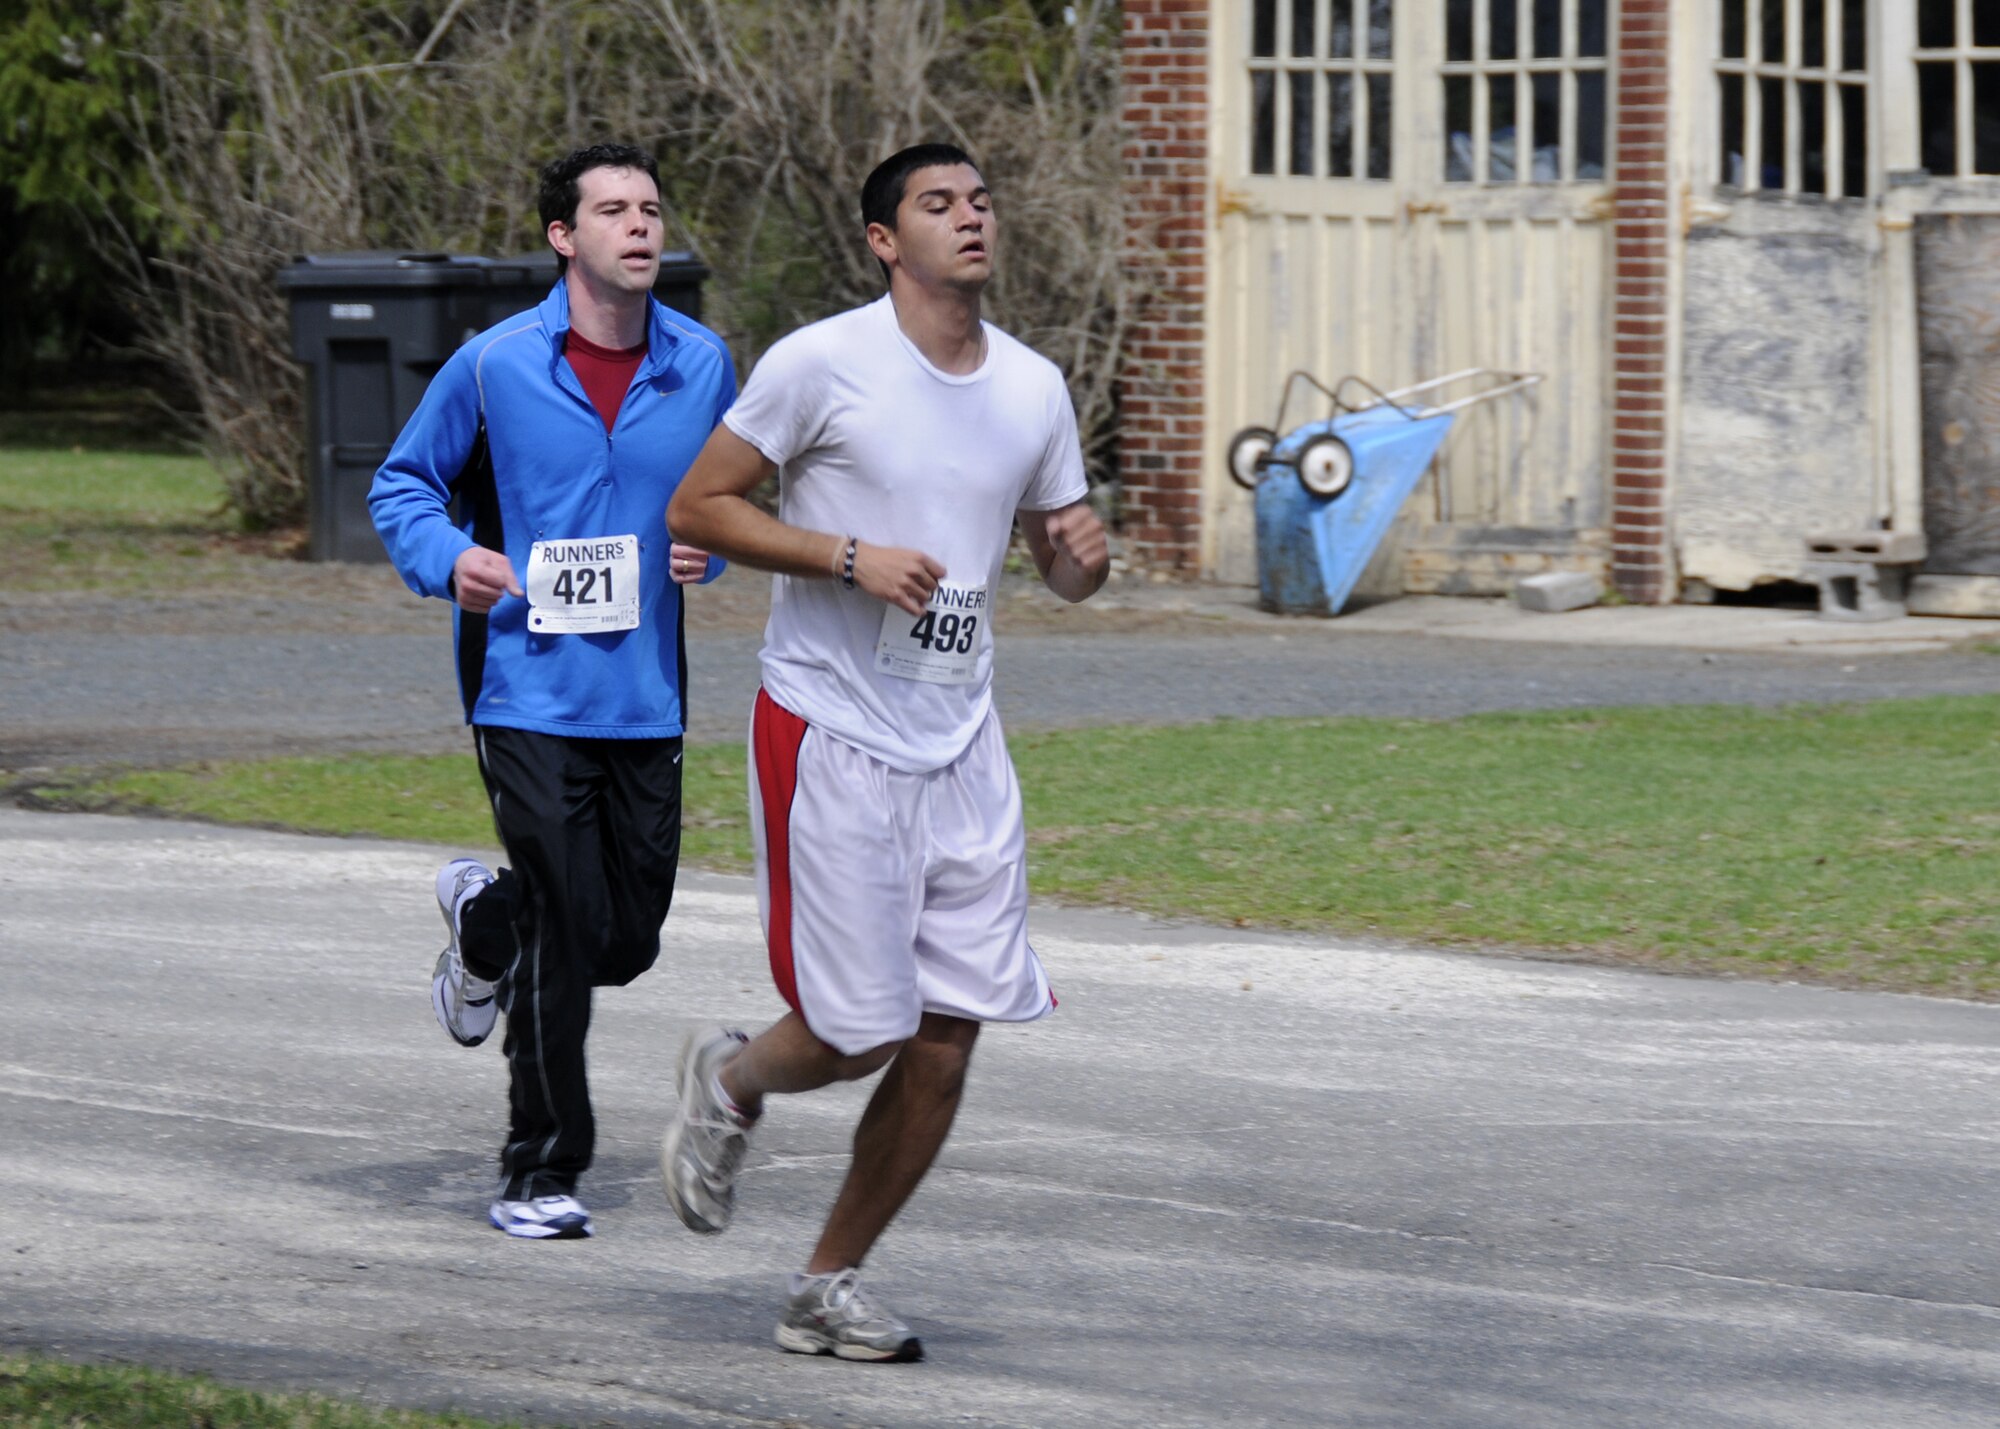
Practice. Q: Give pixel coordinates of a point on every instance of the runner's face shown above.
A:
(944, 227)
(615, 243)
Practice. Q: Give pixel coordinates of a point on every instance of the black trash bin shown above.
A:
(372, 330)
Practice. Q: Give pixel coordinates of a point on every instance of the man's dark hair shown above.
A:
(561, 188)
(882, 191)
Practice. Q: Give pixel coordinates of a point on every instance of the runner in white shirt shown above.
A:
(908, 436)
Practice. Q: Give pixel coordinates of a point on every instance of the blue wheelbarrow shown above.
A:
(1353, 470)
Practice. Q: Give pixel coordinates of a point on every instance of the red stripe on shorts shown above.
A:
(775, 735)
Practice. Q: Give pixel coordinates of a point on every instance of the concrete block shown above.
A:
(1974, 596)
(1858, 590)
(1555, 591)
(1892, 548)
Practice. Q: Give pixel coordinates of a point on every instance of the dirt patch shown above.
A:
(259, 590)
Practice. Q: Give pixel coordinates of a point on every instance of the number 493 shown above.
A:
(947, 634)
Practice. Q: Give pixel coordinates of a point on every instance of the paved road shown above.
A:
(1235, 1180)
(80, 696)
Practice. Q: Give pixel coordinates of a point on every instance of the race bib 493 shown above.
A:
(941, 646)
(586, 587)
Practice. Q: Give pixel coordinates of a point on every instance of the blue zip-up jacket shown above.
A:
(505, 426)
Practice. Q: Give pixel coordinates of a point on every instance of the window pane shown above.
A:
(1458, 29)
(1590, 120)
(1771, 107)
(1340, 29)
(1502, 128)
(1548, 29)
(1381, 28)
(1379, 126)
(1812, 33)
(1547, 165)
(1934, 23)
(1732, 29)
(1303, 126)
(1591, 22)
(1458, 128)
(1263, 123)
(1812, 138)
(1936, 91)
(1302, 27)
(1985, 23)
(1986, 118)
(1854, 34)
(1854, 140)
(1774, 31)
(1264, 27)
(1500, 30)
(1732, 131)
(1340, 126)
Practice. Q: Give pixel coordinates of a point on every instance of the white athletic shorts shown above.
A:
(886, 895)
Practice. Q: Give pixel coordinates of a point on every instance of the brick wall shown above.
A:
(1165, 100)
(1640, 560)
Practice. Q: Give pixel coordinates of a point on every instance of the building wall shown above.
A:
(1171, 88)
(1776, 436)
(1165, 62)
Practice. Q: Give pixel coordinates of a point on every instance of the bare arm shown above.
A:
(712, 510)
(1069, 549)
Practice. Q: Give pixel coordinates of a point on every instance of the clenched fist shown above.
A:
(1076, 532)
(479, 578)
(902, 577)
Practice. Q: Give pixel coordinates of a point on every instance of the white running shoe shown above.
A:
(833, 1315)
(706, 1140)
(464, 1004)
(544, 1218)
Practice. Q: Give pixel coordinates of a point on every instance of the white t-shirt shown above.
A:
(874, 442)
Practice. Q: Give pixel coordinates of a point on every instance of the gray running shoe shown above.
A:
(464, 1004)
(705, 1141)
(833, 1315)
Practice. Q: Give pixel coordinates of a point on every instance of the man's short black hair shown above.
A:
(882, 191)
(561, 189)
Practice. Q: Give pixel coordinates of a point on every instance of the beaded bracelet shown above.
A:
(847, 563)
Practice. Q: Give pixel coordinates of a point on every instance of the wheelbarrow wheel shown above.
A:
(1325, 466)
(1247, 450)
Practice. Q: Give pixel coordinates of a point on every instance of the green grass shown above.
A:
(150, 489)
(436, 798)
(123, 521)
(1850, 844)
(38, 1393)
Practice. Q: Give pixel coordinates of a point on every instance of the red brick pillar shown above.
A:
(1165, 100)
(1641, 562)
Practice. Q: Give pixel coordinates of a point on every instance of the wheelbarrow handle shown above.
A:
(1517, 382)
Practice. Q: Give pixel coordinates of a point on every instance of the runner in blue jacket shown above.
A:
(561, 433)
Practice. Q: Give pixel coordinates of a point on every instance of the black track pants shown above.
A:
(592, 828)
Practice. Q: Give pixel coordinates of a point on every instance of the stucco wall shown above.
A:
(1775, 440)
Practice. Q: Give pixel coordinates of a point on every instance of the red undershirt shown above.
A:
(605, 372)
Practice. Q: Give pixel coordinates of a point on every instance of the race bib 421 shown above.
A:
(586, 587)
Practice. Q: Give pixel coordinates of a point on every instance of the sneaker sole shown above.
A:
(438, 984)
(527, 1232)
(804, 1342)
(670, 1144)
(438, 1010)
(689, 1216)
